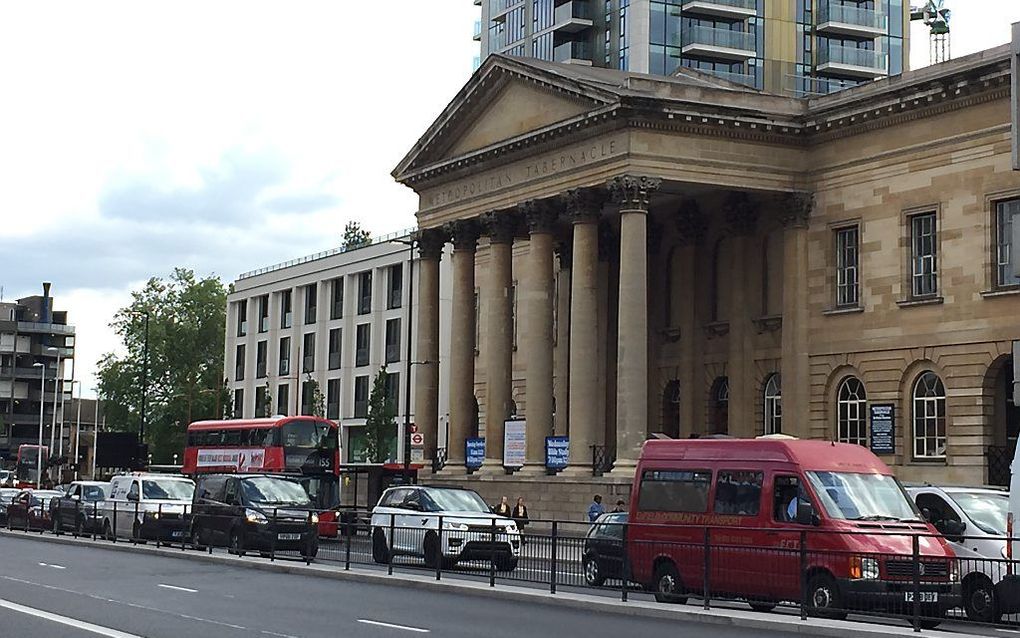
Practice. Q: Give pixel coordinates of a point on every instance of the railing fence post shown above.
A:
(351, 531)
(492, 554)
(552, 561)
(916, 550)
(389, 563)
(625, 565)
(439, 559)
(803, 575)
(708, 568)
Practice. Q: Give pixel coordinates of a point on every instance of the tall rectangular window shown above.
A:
(847, 250)
(307, 398)
(311, 302)
(261, 357)
(333, 399)
(395, 286)
(363, 344)
(286, 309)
(365, 293)
(1005, 253)
(393, 390)
(923, 255)
(360, 397)
(242, 317)
(336, 298)
(334, 348)
(262, 401)
(283, 399)
(308, 353)
(284, 355)
(238, 403)
(264, 313)
(392, 340)
(239, 363)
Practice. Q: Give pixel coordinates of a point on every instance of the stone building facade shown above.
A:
(637, 256)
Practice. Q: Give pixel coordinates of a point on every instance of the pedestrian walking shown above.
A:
(503, 509)
(595, 509)
(621, 506)
(520, 516)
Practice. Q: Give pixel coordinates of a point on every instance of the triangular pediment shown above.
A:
(506, 99)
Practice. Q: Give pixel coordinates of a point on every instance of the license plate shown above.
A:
(288, 537)
(177, 534)
(926, 596)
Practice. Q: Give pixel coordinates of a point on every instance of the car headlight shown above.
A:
(954, 571)
(863, 568)
(315, 519)
(457, 527)
(152, 515)
(255, 516)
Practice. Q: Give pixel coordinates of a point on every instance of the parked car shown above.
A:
(262, 512)
(603, 549)
(973, 520)
(7, 478)
(144, 506)
(764, 497)
(80, 508)
(7, 495)
(30, 509)
(406, 521)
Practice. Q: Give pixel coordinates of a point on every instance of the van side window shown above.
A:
(674, 491)
(133, 489)
(787, 493)
(738, 493)
(939, 510)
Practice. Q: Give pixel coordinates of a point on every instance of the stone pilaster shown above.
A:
(426, 373)
(741, 216)
(462, 340)
(795, 212)
(691, 226)
(500, 226)
(632, 194)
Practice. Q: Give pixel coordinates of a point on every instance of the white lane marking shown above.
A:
(64, 620)
(273, 633)
(176, 588)
(387, 625)
(51, 565)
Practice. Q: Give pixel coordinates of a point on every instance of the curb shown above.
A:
(589, 604)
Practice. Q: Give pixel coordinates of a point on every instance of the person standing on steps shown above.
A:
(503, 509)
(520, 516)
(595, 509)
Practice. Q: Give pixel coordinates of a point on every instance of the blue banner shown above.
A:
(474, 453)
(557, 452)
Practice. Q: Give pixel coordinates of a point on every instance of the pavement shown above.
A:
(144, 591)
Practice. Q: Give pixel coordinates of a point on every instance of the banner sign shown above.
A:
(515, 443)
(474, 453)
(242, 460)
(557, 452)
(883, 428)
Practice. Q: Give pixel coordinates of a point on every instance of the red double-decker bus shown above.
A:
(305, 447)
(26, 469)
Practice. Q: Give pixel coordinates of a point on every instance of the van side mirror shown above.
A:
(806, 514)
(953, 530)
(132, 496)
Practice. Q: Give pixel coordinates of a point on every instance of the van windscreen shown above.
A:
(674, 491)
(862, 497)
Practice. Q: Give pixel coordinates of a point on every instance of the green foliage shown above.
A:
(355, 236)
(267, 400)
(185, 371)
(380, 430)
(318, 399)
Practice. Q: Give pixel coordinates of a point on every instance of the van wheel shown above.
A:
(979, 601)
(433, 554)
(236, 542)
(592, 576)
(380, 552)
(505, 563)
(824, 598)
(667, 585)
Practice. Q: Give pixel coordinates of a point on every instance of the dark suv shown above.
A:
(261, 512)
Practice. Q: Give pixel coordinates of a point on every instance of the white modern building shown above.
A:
(329, 321)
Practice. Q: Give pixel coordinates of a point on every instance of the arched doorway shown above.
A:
(720, 402)
(671, 409)
(1005, 422)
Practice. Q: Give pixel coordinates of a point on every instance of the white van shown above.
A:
(145, 506)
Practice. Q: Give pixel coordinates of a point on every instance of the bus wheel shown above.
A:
(824, 598)
(380, 553)
(667, 585)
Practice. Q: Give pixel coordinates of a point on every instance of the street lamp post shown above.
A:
(145, 380)
(77, 428)
(407, 375)
(56, 389)
(42, 404)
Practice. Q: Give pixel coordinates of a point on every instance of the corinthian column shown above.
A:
(741, 218)
(426, 377)
(500, 227)
(632, 195)
(795, 212)
(462, 339)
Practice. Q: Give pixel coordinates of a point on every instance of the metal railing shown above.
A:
(573, 50)
(439, 461)
(850, 56)
(749, 5)
(998, 459)
(869, 18)
(723, 38)
(574, 9)
(602, 459)
(38, 326)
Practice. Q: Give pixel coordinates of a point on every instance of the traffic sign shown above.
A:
(417, 439)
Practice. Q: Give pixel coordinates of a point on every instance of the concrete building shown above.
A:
(328, 323)
(731, 261)
(791, 47)
(31, 333)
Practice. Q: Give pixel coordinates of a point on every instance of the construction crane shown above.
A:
(935, 16)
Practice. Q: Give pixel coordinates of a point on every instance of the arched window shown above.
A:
(720, 406)
(851, 411)
(773, 405)
(929, 417)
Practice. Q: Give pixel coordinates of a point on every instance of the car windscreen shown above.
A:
(166, 489)
(987, 511)
(266, 490)
(43, 497)
(454, 501)
(6, 496)
(310, 435)
(862, 497)
(94, 492)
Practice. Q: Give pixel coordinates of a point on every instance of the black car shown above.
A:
(80, 508)
(261, 512)
(604, 548)
(7, 495)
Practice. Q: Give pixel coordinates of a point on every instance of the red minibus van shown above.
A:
(751, 501)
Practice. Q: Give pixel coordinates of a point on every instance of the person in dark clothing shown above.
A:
(520, 516)
(621, 506)
(503, 509)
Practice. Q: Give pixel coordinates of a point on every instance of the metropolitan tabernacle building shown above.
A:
(686, 256)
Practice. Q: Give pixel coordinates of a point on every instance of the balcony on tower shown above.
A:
(719, 44)
(573, 52)
(478, 31)
(851, 62)
(573, 16)
(850, 20)
(733, 9)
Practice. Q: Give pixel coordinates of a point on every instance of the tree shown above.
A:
(266, 400)
(185, 370)
(355, 236)
(318, 400)
(379, 426)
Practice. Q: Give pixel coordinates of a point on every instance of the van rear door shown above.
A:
(740, 566)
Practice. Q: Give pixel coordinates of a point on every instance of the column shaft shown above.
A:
(632, 340)
(462, 348)
(538, 344)
(795, 365)
(584, 387)
(498, 348)
(742, 216)
(426, 373)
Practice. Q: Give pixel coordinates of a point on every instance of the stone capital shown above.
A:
(633, 192)
(431, 242)
(741, 214)
(540, 215)
(795, 209)
(464, 233)
(690, 223)
(500, 225)
(584, 205)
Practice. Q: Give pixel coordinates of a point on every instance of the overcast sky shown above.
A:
(223, 136)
